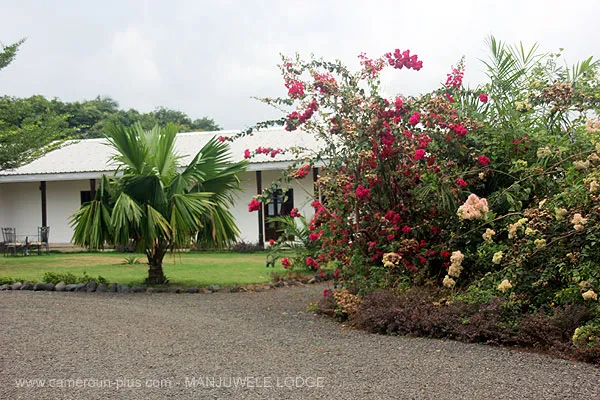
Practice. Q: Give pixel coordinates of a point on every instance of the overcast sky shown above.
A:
(208, 58)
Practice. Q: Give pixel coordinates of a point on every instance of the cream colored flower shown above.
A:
(594, 186)
(589, 295)
(457, 257)
(541, 205)
(593, 157)
(481, 176)
(488, 235)
(504, 285)
(544, 152)
(578, 219)
(473, 208)
(539, 243)
(560, 213)
(578, 227)
(580, 164)
(455, 270)
(497, 258)
(512, 230)
(448, 282)
(391, 260)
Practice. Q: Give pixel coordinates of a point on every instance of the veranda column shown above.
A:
(44, 207)
(92, 189)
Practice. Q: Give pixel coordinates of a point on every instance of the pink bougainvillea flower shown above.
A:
(286, 262)
(483, 98)
(461, 182)
(247, 153)
(399, 60)
(301, 172)
(311, 262)
(449, 97)
(296, 90)
(294, 213)
(419, 154)
(362, 192)
(254, 205)
(483, 160)
(414, 119)
(222, 139)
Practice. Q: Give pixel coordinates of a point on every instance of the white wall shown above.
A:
(2, 208)
(248, 221)
(63, 198)
(22, 207)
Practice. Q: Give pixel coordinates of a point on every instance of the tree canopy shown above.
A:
(31, 126)
(157, 204)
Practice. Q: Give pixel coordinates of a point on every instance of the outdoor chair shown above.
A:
(11, 244)
(42, 239)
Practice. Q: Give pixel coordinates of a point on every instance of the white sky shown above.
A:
(207, 58)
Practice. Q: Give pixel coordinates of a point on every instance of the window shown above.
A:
(279, 205)
(86, 196)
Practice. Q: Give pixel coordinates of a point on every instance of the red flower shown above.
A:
(327, 292)
(398, 60)
(449, 97)
(414, 119)
(247, 153)
(406, 230)
(483, 160)
(444, 254)
(301, 172)
(222, 139)
(313, 237)
(294, 213)
(337, 273)
(254, 205)
(483, 98)
(461, 182)
(271, 242)
(296, 90)
(419, 154)
(311, 262)
(362, 192)
(286, 262)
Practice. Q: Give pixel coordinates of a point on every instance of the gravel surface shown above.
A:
(190, 344)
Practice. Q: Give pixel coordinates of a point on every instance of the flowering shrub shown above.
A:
(495, 188)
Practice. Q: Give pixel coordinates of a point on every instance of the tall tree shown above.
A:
(157, 205)
(8, 53)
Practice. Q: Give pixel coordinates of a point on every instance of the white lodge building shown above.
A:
(49, 190)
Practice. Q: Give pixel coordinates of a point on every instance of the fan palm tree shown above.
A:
(156, 204)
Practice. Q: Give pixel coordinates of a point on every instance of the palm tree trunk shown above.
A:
(155, 269)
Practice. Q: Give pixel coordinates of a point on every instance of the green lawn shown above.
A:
(184, 269)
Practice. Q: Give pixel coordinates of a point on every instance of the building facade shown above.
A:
(49, 190)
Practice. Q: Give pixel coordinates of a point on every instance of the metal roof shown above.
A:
(89, 158)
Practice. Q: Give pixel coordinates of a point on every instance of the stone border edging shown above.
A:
(92, 286)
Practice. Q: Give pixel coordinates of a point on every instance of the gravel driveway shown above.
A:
(248, 346)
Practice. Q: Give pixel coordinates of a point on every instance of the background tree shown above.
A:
(155, 203)
(8, 53)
